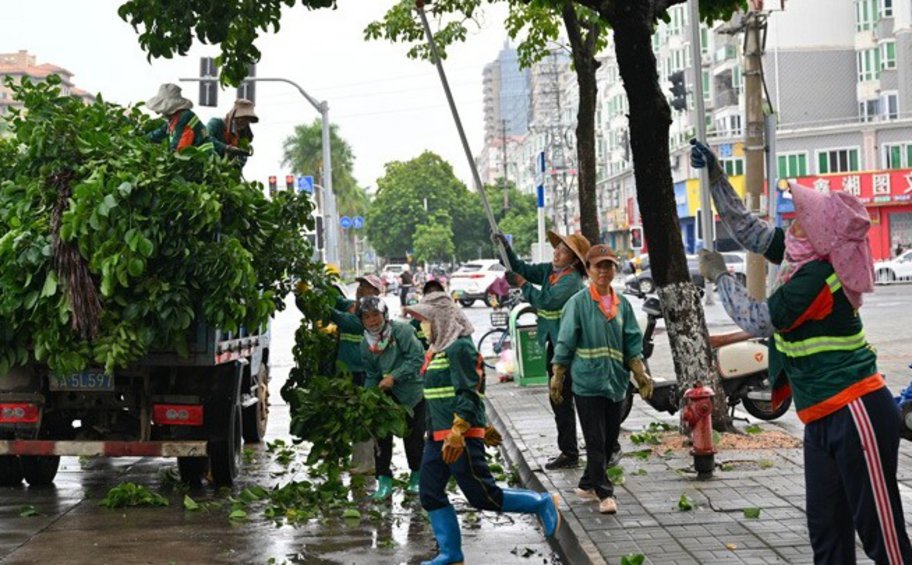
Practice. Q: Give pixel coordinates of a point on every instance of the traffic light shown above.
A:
(273, 185)
(247, 90)
(636, 238)
(208, 89)
(289, 183)
(678, 90)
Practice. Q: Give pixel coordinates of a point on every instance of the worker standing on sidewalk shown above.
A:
(392, 359)
(819, 354)
(458, 432)
(599, 341)
(558, 281)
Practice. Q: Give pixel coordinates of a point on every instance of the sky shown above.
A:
(387, 107)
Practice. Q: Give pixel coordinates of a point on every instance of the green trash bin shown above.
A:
(531, 364)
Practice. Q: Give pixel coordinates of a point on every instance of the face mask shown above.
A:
(798, 249)
(426, 329)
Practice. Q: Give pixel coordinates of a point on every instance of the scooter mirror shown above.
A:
(653, 307)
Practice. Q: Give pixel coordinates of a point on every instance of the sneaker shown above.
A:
(562, 462)
(608, 506)
(586, 494)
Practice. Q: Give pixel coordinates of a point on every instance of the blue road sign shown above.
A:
(345, 222)
(358, 222)
(306, 184)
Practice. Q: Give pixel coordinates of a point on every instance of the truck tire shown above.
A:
(10, 471)
(256, 417)
(193, 469)
(39, 470)
(225, 449)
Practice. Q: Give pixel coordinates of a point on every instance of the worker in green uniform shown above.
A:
(392, 360)
(232, 134)
(182, 127)
(458, 432)
(557, 281)
(428, 288)
(600, 342)
(819, 355)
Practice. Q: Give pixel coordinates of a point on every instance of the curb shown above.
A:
(570, 546)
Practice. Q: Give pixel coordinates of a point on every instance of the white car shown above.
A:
(894, 269)
(470, 282)
(391, 275)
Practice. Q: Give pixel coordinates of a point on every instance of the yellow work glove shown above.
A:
(556, 386)
(454, 444)
(642, 378)
(492, 437)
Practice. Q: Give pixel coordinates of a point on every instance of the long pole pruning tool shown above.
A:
(419, 4)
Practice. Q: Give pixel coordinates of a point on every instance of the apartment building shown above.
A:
(22, 64)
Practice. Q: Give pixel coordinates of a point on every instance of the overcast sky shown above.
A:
(386, 106)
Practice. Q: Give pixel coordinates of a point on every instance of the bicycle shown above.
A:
(497, 339)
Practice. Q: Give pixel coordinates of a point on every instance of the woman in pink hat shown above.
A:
(819, 355)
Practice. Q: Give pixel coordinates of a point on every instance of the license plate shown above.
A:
(88, 380)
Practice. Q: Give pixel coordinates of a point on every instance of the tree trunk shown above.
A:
(650, 118)
(583, 52)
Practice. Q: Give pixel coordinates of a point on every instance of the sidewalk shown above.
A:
(649, 521)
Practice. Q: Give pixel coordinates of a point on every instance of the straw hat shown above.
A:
(575, 241)
(168, 100)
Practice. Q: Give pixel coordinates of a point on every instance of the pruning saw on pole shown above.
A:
(419, 4)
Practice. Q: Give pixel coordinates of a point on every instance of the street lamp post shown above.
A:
(330, 219)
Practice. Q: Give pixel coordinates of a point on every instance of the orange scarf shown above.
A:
(556, 275)
(615, 301)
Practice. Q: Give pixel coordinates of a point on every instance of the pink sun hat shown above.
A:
(837, 226)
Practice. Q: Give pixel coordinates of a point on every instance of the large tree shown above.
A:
(410, 193)
(303, 152)
(167, 30)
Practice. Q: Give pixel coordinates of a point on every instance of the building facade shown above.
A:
(21, 65)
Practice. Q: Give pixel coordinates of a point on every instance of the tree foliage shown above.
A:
(303, 152)
(111, 245)
(433, 241)
(167, 28)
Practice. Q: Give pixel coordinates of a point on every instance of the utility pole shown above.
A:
(753, 141)
(503, 144)
(699, 122)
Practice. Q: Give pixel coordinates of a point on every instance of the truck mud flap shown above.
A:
(104, 448)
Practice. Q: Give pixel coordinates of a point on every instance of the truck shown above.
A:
(198, 406)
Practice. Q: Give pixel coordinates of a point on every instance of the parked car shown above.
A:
(896, 269)
(470, 281)
(737, 264)
(391, 274)
(643, 282)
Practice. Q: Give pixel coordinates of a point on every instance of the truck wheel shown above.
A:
(10, 471)
(39, 470)
(256, 417)
(192, 469)
(225, 448)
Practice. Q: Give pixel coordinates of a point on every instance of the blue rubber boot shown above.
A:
(529, 501)
(449, 540)
(384, 489)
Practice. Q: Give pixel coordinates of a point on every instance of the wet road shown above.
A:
(68, 525)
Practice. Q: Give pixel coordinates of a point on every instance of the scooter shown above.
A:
(741, 363)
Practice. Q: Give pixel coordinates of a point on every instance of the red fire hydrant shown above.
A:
(698, 415)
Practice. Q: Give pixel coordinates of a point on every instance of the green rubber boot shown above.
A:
(384, 489)
(414, 482)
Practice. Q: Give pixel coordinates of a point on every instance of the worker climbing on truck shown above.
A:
(232, 135)
(182, 127)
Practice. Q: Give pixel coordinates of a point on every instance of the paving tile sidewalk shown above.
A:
(649, 521)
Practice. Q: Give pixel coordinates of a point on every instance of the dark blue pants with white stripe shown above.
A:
(470, 471)
(850, 472)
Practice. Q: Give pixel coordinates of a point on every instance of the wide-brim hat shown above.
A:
(575, 241)
(372, 280)
(244, 108)
(168, 100)
(837, 226)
